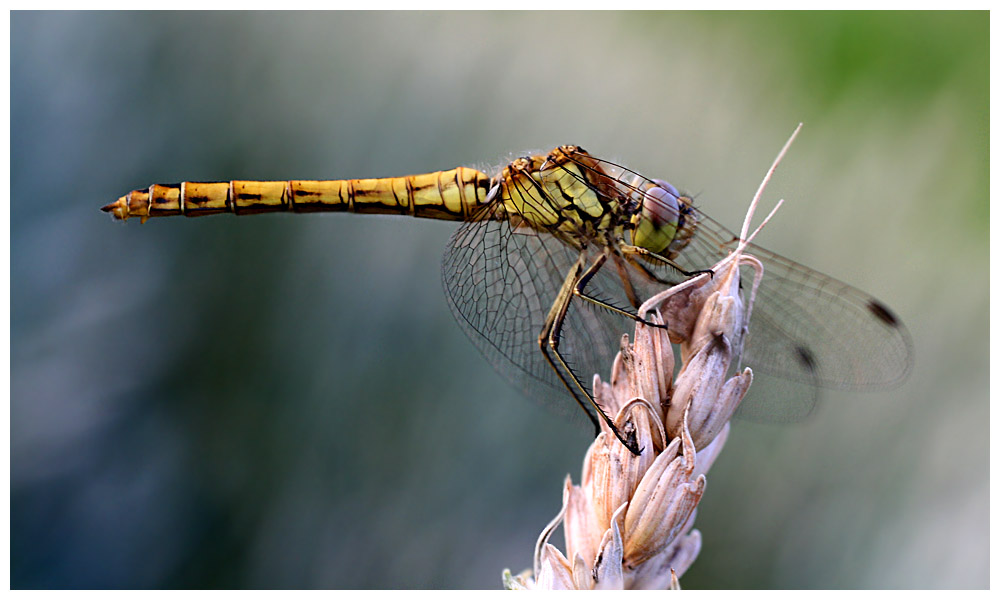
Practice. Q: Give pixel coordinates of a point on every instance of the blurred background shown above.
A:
(285, 400)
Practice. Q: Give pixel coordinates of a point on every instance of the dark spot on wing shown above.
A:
(805, 357)
(883, 313)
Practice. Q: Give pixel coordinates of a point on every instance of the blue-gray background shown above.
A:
(285, 401)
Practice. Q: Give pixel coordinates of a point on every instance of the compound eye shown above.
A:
(660, 204)
(666, 185)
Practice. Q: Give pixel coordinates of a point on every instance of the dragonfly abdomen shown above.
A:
(449, 195)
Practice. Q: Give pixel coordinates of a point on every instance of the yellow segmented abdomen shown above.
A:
(449, 195)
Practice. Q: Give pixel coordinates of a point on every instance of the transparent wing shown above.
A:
(501, 282)
(809, 327)
(806, 328)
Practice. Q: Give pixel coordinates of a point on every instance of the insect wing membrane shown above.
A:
(809, 327)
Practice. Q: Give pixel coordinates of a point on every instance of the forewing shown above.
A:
(806, 328)
(501, 282)
(809, 327)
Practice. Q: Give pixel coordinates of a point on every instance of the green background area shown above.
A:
(286, 401)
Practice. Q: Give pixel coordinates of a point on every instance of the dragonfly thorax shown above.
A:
(561, 194)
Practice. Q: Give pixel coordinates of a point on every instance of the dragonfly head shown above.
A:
(660, 217)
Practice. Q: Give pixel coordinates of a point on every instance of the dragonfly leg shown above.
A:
(633, 297)
(548, 341)
(579, 290)
(649, 274)
(640, 251)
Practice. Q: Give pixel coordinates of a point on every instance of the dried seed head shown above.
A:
(629, 523)
(554, 573)
(580, 528)
(663, 501)
(607, 571)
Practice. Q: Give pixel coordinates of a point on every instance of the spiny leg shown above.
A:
(581, 284)
(549, 337)
(633, 297)
(543, 341)
(640, 251)
(637, 264)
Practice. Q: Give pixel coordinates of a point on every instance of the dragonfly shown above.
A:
(557, 251)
